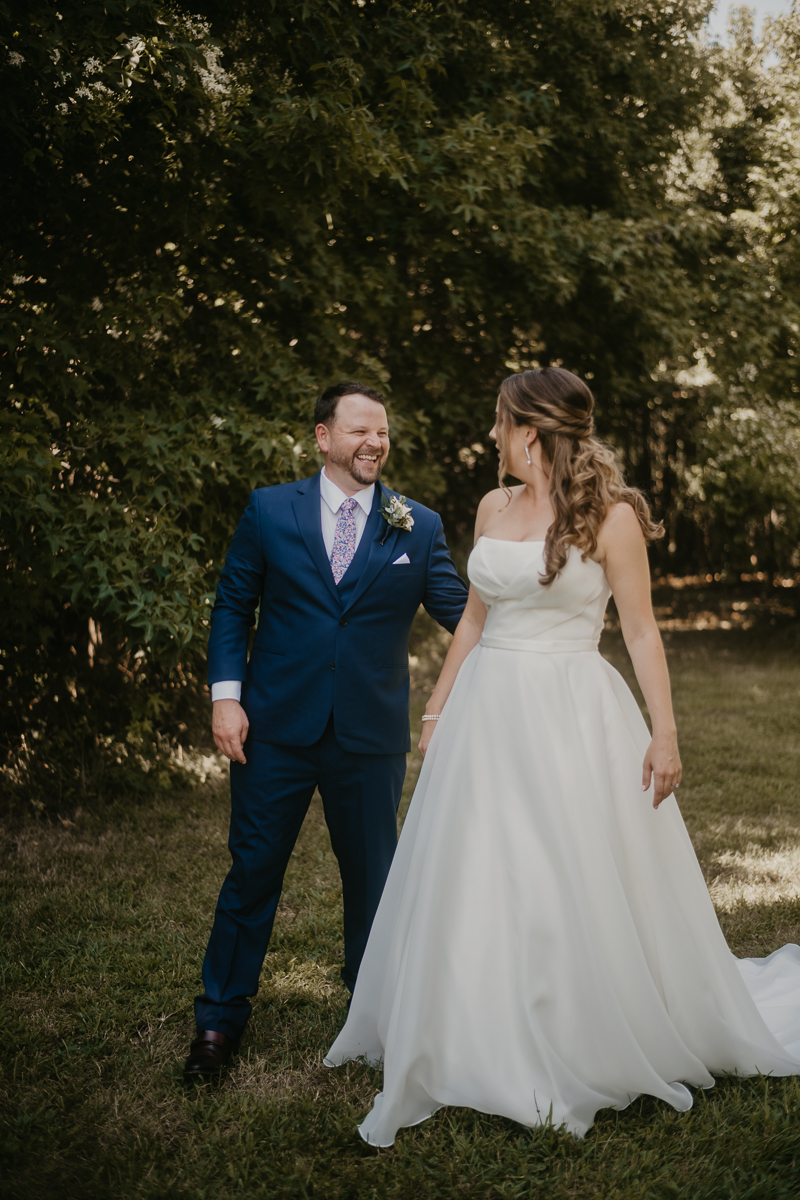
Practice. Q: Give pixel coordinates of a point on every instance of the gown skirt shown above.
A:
(546, 946)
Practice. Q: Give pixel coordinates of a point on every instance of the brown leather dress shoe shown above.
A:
(209, 1055)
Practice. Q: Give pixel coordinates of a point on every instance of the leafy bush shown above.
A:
(745, 487)
(215, 210)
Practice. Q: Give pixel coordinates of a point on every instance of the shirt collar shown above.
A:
(334, 497)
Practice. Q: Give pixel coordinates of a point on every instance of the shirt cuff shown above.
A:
(228, 689)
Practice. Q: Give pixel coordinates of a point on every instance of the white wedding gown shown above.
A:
(546, 945)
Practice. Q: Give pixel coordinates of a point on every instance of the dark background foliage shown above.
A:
(212, 211)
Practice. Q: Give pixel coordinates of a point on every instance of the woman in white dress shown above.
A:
(546, 945)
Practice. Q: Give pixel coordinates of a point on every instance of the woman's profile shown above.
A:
(546, 945)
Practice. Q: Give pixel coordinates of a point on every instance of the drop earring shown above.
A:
(527, 454)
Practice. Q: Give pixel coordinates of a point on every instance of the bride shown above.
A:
(545, 945)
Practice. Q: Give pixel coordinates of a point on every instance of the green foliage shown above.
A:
(748, 478)
(124, 435)
(734, 478)
(216, 210)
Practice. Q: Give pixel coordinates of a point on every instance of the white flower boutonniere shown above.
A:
(396, 512)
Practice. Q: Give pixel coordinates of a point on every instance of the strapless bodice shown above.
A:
(567, 615)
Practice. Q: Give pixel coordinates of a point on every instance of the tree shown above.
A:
(737, 472)
(214, 213)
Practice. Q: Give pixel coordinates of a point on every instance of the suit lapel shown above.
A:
(379, 554)
(307, 513)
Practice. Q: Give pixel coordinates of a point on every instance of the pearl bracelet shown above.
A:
(430, 717)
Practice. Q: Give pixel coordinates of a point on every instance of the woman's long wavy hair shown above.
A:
(585, 481)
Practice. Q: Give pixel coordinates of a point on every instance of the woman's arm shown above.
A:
(623, 556)
(465, 638)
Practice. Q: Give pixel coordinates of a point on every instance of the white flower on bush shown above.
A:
(92, 66)
(15, 59)
(214, 79)
(137, 48)
(19, 278)
(195, 27)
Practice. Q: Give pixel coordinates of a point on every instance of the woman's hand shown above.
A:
(662, 765)
(622, 553)
(426, 735)
(465, 639)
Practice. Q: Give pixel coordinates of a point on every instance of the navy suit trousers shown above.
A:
(270, 795)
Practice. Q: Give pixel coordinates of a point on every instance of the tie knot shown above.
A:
(349, 504)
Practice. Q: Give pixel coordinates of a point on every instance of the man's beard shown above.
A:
(363, 473)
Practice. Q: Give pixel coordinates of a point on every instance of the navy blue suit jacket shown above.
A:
(320, 648)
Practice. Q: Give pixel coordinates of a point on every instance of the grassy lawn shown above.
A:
(105, 919)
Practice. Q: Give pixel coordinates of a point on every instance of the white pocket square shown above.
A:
(398, 562)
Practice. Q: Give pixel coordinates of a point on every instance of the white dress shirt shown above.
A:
(331, 499)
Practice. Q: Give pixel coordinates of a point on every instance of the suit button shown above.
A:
(333, 666)
(343, 622)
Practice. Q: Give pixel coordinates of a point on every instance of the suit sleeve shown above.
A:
(445, 592)
(239, 590)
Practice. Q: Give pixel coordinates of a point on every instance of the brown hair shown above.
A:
(585, 481)
(325, 408)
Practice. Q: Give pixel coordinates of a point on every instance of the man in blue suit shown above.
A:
(339, 567)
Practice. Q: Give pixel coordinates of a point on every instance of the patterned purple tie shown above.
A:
(344, 539)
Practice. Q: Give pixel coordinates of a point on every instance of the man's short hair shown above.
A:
(325, 408)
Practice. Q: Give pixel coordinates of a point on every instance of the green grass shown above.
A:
(105, 921)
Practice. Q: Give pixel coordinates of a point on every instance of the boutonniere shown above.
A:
(396, 512)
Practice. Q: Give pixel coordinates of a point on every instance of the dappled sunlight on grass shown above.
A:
(756, 877)
(303, 980)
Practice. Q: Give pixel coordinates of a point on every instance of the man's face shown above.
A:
(356, 444)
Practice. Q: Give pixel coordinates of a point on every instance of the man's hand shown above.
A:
(229, 725)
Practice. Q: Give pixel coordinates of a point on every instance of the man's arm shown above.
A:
(445, 592)
(238, 593)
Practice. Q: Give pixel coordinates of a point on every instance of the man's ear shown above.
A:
(323, 436)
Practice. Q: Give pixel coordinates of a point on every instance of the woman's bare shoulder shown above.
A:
(622, 514)
(497, 499)
(621, 525)
(490, 505)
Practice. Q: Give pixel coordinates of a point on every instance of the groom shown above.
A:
(339, 567)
